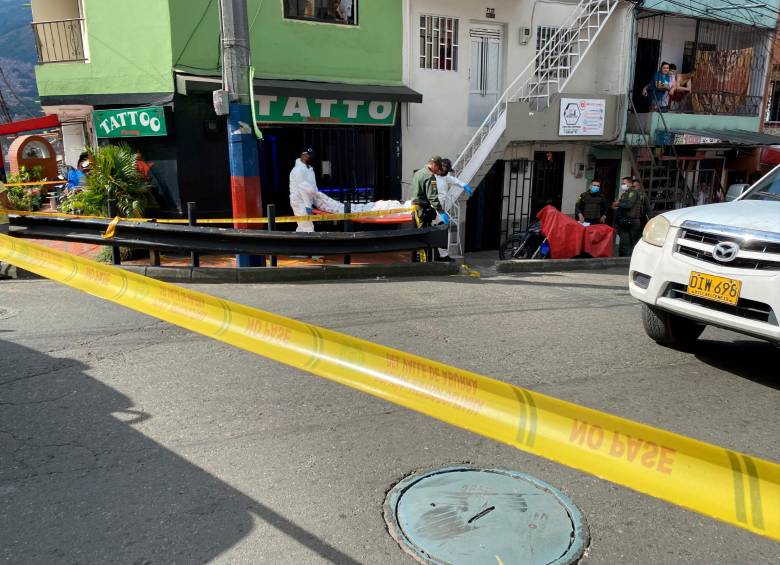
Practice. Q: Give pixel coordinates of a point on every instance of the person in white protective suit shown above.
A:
(305, 196)
(450, 188)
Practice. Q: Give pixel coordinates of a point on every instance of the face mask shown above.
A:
(594, 189)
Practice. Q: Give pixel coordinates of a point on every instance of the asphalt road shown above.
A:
(126, 440)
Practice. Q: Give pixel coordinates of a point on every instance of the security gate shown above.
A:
(531, 185)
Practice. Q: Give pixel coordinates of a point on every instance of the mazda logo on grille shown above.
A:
(725, 251)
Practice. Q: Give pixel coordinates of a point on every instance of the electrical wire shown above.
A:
(192, 34)
(28, 110)
(257, 12)
(5, 113)
(703, 9)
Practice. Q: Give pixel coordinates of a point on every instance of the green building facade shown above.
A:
(328, 74)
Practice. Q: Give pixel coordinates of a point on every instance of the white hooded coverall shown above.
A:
(447, 187)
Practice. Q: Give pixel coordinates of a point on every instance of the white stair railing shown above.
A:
(545, 75)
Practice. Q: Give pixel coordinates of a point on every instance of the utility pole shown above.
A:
(244, 165)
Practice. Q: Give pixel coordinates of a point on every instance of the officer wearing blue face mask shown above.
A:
(592, 206)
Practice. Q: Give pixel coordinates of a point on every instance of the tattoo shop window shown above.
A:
(328, 11)
(439, 43)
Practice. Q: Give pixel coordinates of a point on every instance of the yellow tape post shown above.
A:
(279, 220)
(726, 485)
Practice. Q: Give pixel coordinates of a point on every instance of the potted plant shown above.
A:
(24, 197)
(113, 174)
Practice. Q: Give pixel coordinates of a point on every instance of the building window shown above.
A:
(328, 11)
(773, 103)
(439, 43)
(555, 53)
(689, 54)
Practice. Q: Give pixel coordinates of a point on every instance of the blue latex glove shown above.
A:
(469, 190)
(445, 218)
(309, 212)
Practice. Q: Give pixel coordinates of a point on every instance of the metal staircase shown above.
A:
(663, 180)
(546, 75)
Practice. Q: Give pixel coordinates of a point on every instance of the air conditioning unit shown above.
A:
(525, 35)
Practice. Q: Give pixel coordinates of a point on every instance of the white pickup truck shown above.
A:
(715, 265)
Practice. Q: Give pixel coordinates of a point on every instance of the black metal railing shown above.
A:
(60, 41)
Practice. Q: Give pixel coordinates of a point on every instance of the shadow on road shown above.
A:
(79, 485)
(756, 361)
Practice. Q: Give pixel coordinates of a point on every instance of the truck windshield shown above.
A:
(767, 188)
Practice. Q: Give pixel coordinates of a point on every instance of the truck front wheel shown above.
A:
(669, 329)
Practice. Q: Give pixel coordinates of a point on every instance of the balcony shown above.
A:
(719, 79)
(60, 41)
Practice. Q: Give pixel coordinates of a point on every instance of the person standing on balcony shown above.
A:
(681, 86)
(659, 88)
(592, 205)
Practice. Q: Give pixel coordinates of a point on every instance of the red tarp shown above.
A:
(564, 235)
(569, 238)
(599, 240)
(45, 122)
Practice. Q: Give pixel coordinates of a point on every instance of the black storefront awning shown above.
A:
(715, 137)
(308, 89)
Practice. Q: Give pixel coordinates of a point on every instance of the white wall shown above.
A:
(73, 141)
(50, 10)
(676, 32)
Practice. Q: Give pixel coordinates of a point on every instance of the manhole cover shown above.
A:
(462, 515)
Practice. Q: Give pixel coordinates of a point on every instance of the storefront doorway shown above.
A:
(359, 163)
(547, 180)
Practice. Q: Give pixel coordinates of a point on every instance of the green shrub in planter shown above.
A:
(112, 173)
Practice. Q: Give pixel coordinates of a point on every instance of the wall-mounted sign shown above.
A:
(295, 110)
(490, 13)
(581, 116)
(130, 122)
(663, 137)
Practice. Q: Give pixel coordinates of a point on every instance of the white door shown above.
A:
(485, 71)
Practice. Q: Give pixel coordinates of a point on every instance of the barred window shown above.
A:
(548, 53)
(438, 43)
(329, 11)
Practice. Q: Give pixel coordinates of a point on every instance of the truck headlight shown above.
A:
(656, 230)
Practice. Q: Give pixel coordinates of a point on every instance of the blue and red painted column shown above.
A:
(244, 173)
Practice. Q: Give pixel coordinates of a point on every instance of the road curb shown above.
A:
(546, 265)
(207, 275)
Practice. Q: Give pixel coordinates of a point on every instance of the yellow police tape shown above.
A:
(726, 485)
(33, 183)
(279, 220)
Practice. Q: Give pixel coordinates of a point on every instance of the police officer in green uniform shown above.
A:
(425, 194)
(632, 210)
(592, 205)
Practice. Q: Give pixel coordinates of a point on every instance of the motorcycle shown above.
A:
(530, 244)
